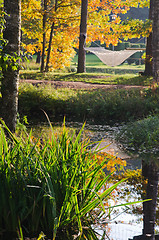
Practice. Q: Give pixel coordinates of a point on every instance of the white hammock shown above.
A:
(111, 58)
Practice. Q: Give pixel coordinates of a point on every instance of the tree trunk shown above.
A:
(148, 60)
(44, 35)
(49, 48)
(155, 40)
(82, 38)
(50, 41)
(149, 209)
(10, 80)
(38, 58)
(150, 172)
(152, 186)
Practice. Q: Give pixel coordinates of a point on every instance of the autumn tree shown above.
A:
(50, 38)
(32, 26)
(103, 28)
(10, 67)
(61, 28)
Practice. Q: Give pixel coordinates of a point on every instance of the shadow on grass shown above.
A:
(136, 81)
(92, 105)
(89, 78)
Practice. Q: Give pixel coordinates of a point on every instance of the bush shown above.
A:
(94, 105)
(141, 136)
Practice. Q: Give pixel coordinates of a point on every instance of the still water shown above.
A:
(105, 134)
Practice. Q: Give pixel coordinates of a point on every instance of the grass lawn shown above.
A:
(97, 72)
(93, 61)
(100, 78)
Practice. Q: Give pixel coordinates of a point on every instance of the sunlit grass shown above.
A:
(97, 72)
(98, 78)
(94, 61)
(117, 105)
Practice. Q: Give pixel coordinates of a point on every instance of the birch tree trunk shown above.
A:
(82, 39)
(10, 79)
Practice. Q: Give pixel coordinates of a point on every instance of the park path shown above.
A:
(79, 85)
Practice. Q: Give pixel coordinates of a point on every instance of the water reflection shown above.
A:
(104, 133)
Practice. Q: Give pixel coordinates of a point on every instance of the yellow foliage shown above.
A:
(66, 18)
(113, 163)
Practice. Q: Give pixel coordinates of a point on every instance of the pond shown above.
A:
(123, 224)
(105, 134)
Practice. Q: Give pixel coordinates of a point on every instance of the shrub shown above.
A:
(118, 105)
(141, 136)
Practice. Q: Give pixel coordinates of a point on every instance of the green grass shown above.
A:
(30, 70)
(94, 61)
(98, 78)
(94, 105)
(95, 65)
(104, 106)
(97, 72)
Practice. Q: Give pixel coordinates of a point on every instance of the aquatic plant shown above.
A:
(51, 185)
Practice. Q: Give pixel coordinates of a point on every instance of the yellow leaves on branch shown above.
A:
(66, 18)
(105, 25)
(135, 28)
(113, 163)
(29, 48)
(139, 3)
(66, 22)
(62, 51)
